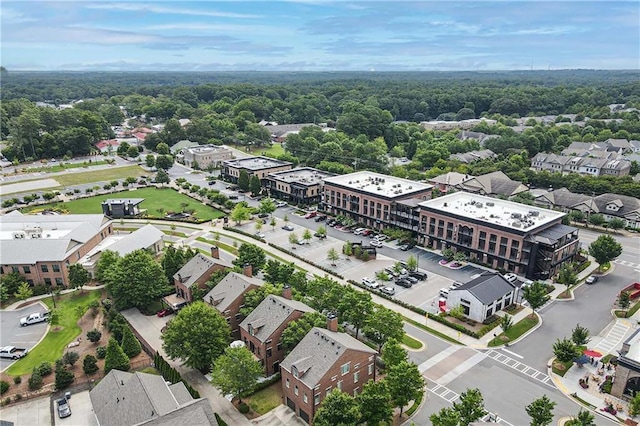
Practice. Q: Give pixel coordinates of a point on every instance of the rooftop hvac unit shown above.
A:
(534, 213)
(490, 204)
(479, 205)
(516, 215)
(19, 235)
(516, 224)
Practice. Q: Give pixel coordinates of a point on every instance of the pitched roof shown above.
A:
(318, 351)
(451, 178)
(231, 287)
(469, 157)
(280, 129)
(196, 412)
(562, 197)
(107, 142)
(627, 204)
(197, 267)
(487, 287)
(271, 314)
(495, 183)
(182, 145)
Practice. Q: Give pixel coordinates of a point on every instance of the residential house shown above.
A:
(478, 136)
(261, 330)
(493, 184)
(483, 296)
(279, 132)
(127, 399)
(197, 271)
(228, 298)
(560, 199)
(594, 163)
(471, 156)
(635, 146)
(445, 182)
(621, 146)
(613, 205)
(451, 125)
(108, 146)
(325, 360)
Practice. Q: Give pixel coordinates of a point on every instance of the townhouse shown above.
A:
(197, 271)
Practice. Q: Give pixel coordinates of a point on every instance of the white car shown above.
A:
(370, 283)
(376, 243)
(281, 204)
(511, 277)
(390, 291)
(359, 231)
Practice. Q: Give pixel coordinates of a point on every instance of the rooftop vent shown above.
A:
(516, 215)
(490, 204)
(479, 205)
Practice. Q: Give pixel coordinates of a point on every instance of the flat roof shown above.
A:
(379, 184)
(256, 163)
(504, 213)
(203, 149)
(301, 175)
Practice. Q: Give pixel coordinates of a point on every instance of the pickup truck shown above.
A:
(34, 318)
(12, 352)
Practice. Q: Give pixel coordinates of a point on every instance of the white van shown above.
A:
(444, 292)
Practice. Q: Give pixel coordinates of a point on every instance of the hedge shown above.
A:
(171, 374)
(582, 267)
(255, 237)
(262, 385)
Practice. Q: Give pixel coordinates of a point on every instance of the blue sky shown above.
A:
(310, 35)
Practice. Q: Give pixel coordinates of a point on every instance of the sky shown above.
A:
(314, 35)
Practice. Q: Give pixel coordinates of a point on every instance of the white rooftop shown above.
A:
(255, 163)
(634, 347)
(492, 210)
(204, 149)
(379, 184)
(302, 175)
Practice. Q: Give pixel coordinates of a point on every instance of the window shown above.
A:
(287, 384)
(339, 385)
(305, 399)
(345, 368)
(15, 269)
(279, 346)
(295, 389)
(30, 282)
(268, 352)
(56, 268)
(47, 281)
(59, 281)
(356, 377)
(370, 369)
(316, 400)
(27, 269)
(44, 268)
(327, 391)
(1, 270)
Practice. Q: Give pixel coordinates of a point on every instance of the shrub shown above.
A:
(17, 380)
(64, 377)
(243, 408)
(130, 345)
(6, 401)
(94, 335)
(44, 369)
(70, 357)
(4, 386)
(17, 397)
(89, 364)
(101, 352)
(35, 381)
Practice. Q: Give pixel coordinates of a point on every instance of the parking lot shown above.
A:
(13, 334)
(35, 412)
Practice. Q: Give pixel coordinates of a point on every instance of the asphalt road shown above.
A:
(13, 334)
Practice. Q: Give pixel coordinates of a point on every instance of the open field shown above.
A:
(273, 151)
(78, 178)
(155, 198)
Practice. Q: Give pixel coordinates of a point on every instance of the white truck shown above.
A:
(12, 352)
(34, 318)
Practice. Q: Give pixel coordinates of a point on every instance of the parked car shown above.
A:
(592, 279)
(376, 243)
(310, 215)
(63, 408)
(34, 318)
(12, 352)
(321, 218)
(287, 228)
(444, 292)
(511, 277)
(331, 222)
(370, 282)
(319, 235)
(418, 275)
(404, 282)
(281, 204)
(233, 197)
(260, 235)
(410, 278)
(380, 237)
(165, 312)
(391, 272)
(212, 182)
(359, 231)
(388, 291)
(263, 215)
(404, 247)
(367, 232)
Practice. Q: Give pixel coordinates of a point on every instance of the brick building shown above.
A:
(203, 156)
(259, 166)
(262, 329)
(197, 271)
(42, 247)
(302, 185)
(527, 240)
(228, 298)
(325, 360)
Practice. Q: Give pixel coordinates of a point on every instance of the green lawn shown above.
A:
(516, 331)
(223, 246)
(155, 198)
(411, 342)
(265, 400)
(273, 151)
(100, 175)
(60, 167)
(54, 343)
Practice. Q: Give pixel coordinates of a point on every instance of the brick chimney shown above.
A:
(215, 252)
(286, 292)
(332, 322)
(247, 270)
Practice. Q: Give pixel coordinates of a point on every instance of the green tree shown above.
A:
(244, 180)
(267, 206)
(393, 354)
(163, 162)
(541, 411)
(4, 293)
(137, 280)
(94, 335)
(250, 254)
(132, 152)
(70, 357)
(585, 418)
(293, 239)
(383, 324)
(236, 371)
(78, 276)
(163, 149)
(567, 276)
(624, 300)
(89, 364)
(565, 350)
(405, 384)
(580, 335)
(597, 219)
(197, 346)
(273, 223)
(605, 249)
(254, 185)
(11, 281)
(130, 344)
(447, 416)
(258, 225)
(254, 297)
(470, 407)
(412, 263)
(356, 307)
(535, 295)
(338, 409)
(322, 230)
(296, 330)
(150, 160)
(240, 213)
(506, 322)
(634, 405)
(115, 358)
(333, 256)
(24, 292)
(375, 403)
(616, 224)
(64, 377)
(162, 176)
(107, 265)
(307, 236)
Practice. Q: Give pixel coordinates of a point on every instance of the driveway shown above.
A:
(81, 411)
(13, 334)
(35, 412)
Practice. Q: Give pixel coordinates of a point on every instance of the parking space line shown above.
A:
(528, 371)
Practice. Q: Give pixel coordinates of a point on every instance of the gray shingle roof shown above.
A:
(270, 314)
(197, 267)
(488, 287)
(195, 413)
(562, 198)
(318, 351)
(628, 204)
(139, 239)
(451, 178)
(495, 183)
(231, 287)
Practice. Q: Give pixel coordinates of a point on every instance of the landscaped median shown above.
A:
(516, 331)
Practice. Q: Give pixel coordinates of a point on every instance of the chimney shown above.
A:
(247, 270)
(332, 322)
(286, 292)
(215, 252)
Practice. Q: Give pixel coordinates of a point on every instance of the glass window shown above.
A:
(47, 281)
(287, 384)
(56, 268)
(295, 389)
(59, 281)
(345, 368)
(328, 391)
(44, 268)
(339, 385)
(305, 399)
(316, 400)
(15, 269)
(356, 377)
(27, 269)
(370, 369)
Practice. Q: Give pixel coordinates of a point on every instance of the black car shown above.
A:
(319, 235)
(233, 197)
(212, 182)
(418, 275)
(321, 218)
(331, 222)
(262, 215)
(404, 247)
(403, 282)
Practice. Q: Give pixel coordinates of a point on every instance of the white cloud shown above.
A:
(154, 8)
(10, 16)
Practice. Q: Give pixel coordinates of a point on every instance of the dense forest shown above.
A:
(374, 114)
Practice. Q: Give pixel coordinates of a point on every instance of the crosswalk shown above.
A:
(614, 337)
(443, 392)
(636, 266)
(520, 367)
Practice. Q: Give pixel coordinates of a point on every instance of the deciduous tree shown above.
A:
(296, 330)
(447, 416)
(565, 350)
(541, 411)
(267, 206)
(244, 180)
(393, 354)
(535, 295)
(254, 185)
(405, 384)
(78, 276)
(338, 409)
(252, 255)
(24, 292)
(470, 407)
(107, 264)
(580, 335)
(375, 403)
(333, 256)
(240, 213)
(236, 371)
(605, 249)
(585, 418)
(383, 324)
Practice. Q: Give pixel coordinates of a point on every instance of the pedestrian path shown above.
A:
(520, 367)
(614, 337)
(627, 263)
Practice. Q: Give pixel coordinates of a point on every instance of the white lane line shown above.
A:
(512, 353)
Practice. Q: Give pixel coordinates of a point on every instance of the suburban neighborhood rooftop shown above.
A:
(302, 175)
(378, 184)
(255, 163)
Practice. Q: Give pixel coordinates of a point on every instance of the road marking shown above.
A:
(450, 396)
(437, 358)
(494, 418)
(512, 353)
(626, 263)
(462, 368)
(26, 334)
(613, 338)
(512, 363)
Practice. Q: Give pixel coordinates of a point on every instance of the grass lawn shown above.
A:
(266, 399)
(155, 198)
(100, 175)
(411, 342)
(150, 370)
(273, 151)
(55, 342)
(223, 246)
(518, 329)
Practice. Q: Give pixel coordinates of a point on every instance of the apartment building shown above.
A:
(42, 247)
(451, 125)
(323, 361)
(371, 198)
(197, 271)
(609, 166)
(259, 166)
(302, 185)
(526, 240)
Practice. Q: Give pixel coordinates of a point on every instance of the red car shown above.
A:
(310, 215)
(164, 312)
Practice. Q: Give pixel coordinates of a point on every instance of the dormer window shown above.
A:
(252, 331)
(294, 371)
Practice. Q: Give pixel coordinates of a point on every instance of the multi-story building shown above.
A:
(261, 331)
(228, 298)
(323, 361)
(258, 166)
(197, 271)
(371, 198)
(451, 125)
(302, 185)
(607, 165)
(527, 240)
(42, 247)
(203, 156)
